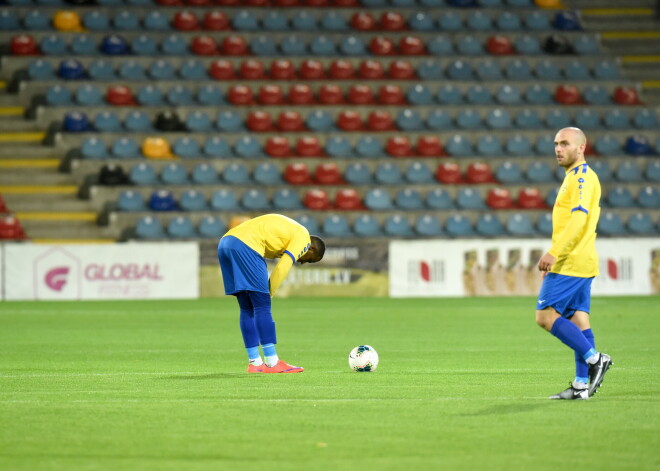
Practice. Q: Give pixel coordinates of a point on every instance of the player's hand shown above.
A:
(546, 262)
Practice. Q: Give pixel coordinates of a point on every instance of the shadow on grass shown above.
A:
(503, 409)
(208, 376)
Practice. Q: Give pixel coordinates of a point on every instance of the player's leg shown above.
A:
(581, 320)
(249, 332)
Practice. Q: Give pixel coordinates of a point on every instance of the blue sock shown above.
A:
(253, 353)
(269, 350)
(581, 366)
(571, 335)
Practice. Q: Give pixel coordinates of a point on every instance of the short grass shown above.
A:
(462, 385)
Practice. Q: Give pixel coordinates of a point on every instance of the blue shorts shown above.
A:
(566, 294)
(243, 269)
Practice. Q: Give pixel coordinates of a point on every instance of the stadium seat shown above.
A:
(162, 200)
(309, 222)
(338, 147)
(76, 121)
(640, 223)
(357, 173)
(544, 224)
(439, 120)
(551, 197)
(181, 227)
(286, 200)
(538, 94)
(309, 146)
(335, 225)
(458, 226)
(449, 172)
(204, 174)
(378, 199)
(439, 198)
(489, 225)
(518, 145)
(518, 69)
(93, 148)
(149, 96)
(530, 198)
(652, 172)
(408, 199)
(130, 200)
(229, 121)
(628, 171)
(468, 118)
(602, 169)
(317, 199)
(236, 173)
(638, 145)
(587, 119)
(328, 174)
(216, 147)
(186, 148)
(174, 174)
(479, 172)
(418, 173)
(645, 119)
(520, 225)
(428, 225)
(255, 200)
(458, 146)
(528, 119)
(469, 198)
(610, 224)
(161, 70)
(625, 96)
(499, 198)
(192, 200)
(509, 173)
(649, 197)
(620, 197)
(489, 145)
(100, 69)
(596, 95)
(211, 227)
(198, 121)
(366, 225)
(397, 225)
(577, 70)
(149, 227)
(267, 174)
(607, 144)
(348, 199)
(388, 174)
(498, 119)
(224, 200)
(125, 148)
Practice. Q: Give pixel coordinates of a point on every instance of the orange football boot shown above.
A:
(283, 367)
(256, 369)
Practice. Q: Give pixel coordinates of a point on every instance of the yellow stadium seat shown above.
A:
(66, 20)
(236, 220)
(157, 148)
(549, 4)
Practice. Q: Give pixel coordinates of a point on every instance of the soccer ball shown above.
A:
(363, 358)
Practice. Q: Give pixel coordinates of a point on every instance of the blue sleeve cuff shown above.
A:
(580, 208)
(290, 255)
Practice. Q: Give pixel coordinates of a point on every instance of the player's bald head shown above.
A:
(575, 135)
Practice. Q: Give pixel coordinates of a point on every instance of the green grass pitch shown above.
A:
(462, 385)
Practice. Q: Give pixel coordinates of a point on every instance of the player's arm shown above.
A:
(280, 272)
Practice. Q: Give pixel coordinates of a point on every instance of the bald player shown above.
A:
(571, 264)
(242, 253)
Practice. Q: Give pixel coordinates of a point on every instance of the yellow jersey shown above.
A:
(574, 220)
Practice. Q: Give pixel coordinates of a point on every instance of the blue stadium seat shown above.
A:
(509, 173)
(267, 174)
(641, 224)
(192, 69)
(366, 225)
(638, 145)
(337, 146)
(527, 44)
(255, 200)
(174, 174)
(53, 45)
(419, 95)
(210, 95)
(217, 147)
(369, 146)
(377, 199)
(388, 174)
(130, 200)
(162, 200)
(101, 69)
(149, 95)
(607, 144)
(229, 121)
(551, 197)
(309, 222)
(418, 173)
(508, 95)
(70, 69)
(236, 174)
(547, 70)
(439, 120)
(528, 119)
(224, 200)
(264, 46)
(616, 119)
(245, 20)
(286, 199)
(429, 70)
(335, 225)
(162, 70)
(248, 147)
(649, 197)
(489, 145)
(113, 45)
(125, 20)
(144, 45)
(439, 198)
(181, 227)
(397, 225)
(180, 95)
(211, 226)
(518, 69)
(620, 197)
(449, 95)
(409, 120)
(458, 225)
(125, 148)
(577, 70)
(198, 121)
(333, 21)
(508, 21)
(131, 70)
(204, 174)
(76, 121)
(186, 148)
(149, 227)
(518, 145)
(610, 224)
(587, 118)
(450, 21)
(602, 169)
(652, 172)
(293, 45)
(586, 45)
(458, 146)
(468, 118)
(469, 46)
(357, 173)
(274, 20)
(322, 46)
(498, 118)
(89, 95)
(628, 171)
(174, 45)
(520, 225)
(488, 70)
(537, 20)
(93, 148)
(606, 70)
(538, 94)
(107, 121)
(36, 20)
(156, 20)
(479, 21)
(352, 46)
(459, 70)
(645, 119)
(440, 45)
(539, 172)
(192, 200)
(545, 145)
(544, 224)
(304, 21)
(596, 95)
(428, 225)
(489, 225)
(408, 198)
(469, 198)
(320, 121)
(9, 20)
(137, 121)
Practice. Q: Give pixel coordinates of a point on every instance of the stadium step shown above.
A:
(27, 151)
(64, 202)
(48, 176)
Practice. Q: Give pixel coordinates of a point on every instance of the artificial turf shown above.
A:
(462, 384)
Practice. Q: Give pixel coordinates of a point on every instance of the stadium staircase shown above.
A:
(44, 192)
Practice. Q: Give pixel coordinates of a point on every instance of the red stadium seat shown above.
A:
(222, 69)
(252, 69)
(568, 95)
(271, 95)
(316, 3)
(24, 45)
(199, 3)
(391, 95)
(240, 95)
(216, 20)
(411, 46)
(499, 45)
(626, 96)
(234, 46)
(360, 95)
(401, 70)
(311, 69)
(10, 228)
(382, 46)
(499, 198)
(392, 21)
(259, 121)
(479, 172)
(120, 95)
(363, 21)
(348, 199)
(204, 46)
(399, 146)
(301, 94)
(287, 3)
(328, 174)
(290, 121)
(341, 69)
(331, 94)
(316, 199)
(347, 3)
(589, 149)
(349, 120)
(449, 172)
(282, 69)
(278, 146)
(185, 21)
(169, 3)
(530, 198)
(309, 146)
(297, 174)
(380, 121)
(372, 70)
(228, 3)
(429, 146)
(258, 3)
(3, 207)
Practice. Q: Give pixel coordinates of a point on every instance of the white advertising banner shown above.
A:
(507, 267)
(104, 271)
